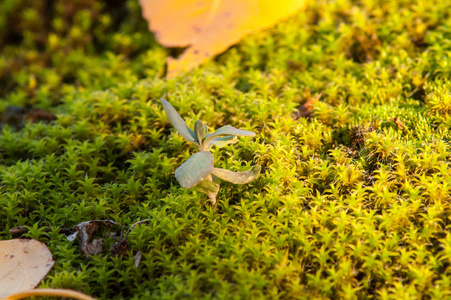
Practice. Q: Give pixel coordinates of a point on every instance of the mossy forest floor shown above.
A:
(349, 205)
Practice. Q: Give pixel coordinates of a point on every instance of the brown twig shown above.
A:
(49, 292)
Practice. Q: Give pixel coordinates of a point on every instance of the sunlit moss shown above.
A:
(349, 205)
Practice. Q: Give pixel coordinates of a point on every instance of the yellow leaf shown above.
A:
(209, 27)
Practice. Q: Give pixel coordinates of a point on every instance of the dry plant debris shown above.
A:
(399, 124)
(84, 232)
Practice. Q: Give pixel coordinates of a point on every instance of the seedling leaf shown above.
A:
(227, 130)
(207, 186)
(177, 121)
(199, 131)
(210, 188)
(238, 177)
(230, 130)
(195, 169)
(222, 141)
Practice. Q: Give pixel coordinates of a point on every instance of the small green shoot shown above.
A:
(198, 171)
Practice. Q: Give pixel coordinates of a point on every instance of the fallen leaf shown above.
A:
(209, 27)
(23, 265)
(84, 231)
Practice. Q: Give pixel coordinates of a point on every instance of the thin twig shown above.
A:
(134, 224)
(49, 292)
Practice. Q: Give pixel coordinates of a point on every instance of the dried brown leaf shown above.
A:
(84, 232)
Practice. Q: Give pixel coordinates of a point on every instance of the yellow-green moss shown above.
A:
(330, 216)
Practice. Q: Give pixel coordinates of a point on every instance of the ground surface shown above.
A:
(350, 204)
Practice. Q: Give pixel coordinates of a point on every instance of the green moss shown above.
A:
(346, 206)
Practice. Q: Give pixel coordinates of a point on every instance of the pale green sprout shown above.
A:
(198, 171)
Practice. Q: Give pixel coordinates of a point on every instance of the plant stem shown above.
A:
(211, 195)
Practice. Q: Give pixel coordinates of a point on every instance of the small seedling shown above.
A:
(198, 171)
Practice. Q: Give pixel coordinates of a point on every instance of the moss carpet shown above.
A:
(350, 204)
